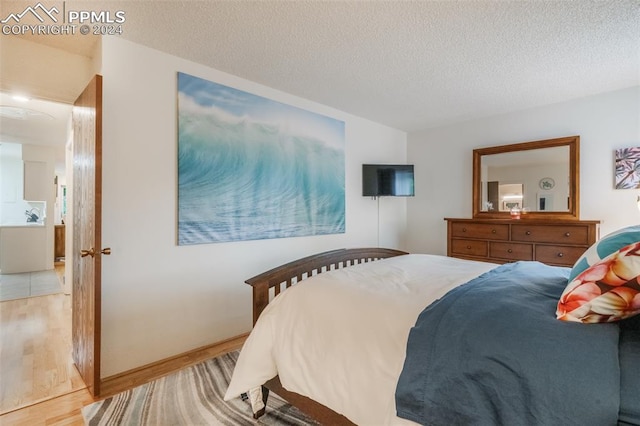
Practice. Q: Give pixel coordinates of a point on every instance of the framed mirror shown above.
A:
(539, 179)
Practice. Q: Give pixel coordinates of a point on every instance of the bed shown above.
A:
(378, 336)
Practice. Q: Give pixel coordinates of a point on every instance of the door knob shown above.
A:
(84, 253)
(91, 252)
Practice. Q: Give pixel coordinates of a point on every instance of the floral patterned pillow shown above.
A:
(605, 247)
(605, 291)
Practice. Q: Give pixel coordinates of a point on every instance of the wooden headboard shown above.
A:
(296, 271)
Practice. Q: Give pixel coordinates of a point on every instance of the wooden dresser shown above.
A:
(554, 242)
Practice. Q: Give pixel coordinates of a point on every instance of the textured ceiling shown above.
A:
(408, 64)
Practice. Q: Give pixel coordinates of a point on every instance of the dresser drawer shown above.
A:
(486, 231)
(556, 242)
(469, 247)
(560, 255)
(565, 234)
(511, 251)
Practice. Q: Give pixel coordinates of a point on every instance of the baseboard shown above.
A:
(129, 379)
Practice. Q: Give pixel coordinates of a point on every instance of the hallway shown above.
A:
(35, 350)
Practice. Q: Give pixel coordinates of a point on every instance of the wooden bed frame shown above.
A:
(289, 274)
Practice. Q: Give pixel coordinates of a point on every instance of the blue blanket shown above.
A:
(629, 372)
(491, 352)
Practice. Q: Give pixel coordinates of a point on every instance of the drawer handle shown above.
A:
(567, 234)
(493, 231)
(528, 233)
(509, 251)
(464, 229)
(561, 254)
(468, 247)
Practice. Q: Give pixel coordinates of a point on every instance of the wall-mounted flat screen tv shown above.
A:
(395, 180)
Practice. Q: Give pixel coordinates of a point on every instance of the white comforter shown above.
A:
(340, 337)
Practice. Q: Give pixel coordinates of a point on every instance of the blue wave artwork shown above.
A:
(251, 168)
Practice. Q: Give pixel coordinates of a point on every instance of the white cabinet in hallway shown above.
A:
(23, 249)
(38, 186)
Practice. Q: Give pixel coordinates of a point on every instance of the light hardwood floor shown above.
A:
(61, 411)
(35, 351)
(39, 384)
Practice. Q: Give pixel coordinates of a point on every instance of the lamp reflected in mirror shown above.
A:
(510, 196)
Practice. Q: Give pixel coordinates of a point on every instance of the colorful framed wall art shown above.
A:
(627, 165)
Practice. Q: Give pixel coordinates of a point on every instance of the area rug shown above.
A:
(192, 396)
(29, 284)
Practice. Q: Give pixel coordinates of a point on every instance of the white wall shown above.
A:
(160, 299)
(12, 204)
(443, 158)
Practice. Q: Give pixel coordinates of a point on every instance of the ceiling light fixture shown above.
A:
(21, 98)
(21, 113)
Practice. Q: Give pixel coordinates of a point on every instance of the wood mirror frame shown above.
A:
(573, 142)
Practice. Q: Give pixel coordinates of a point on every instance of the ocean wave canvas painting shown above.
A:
(252, 168)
